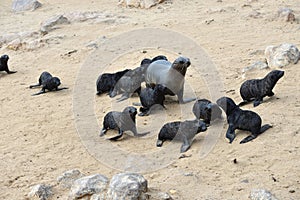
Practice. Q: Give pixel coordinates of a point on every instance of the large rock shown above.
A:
(139, 3)
(128, 186)
(261, 194)
(286, 14)
(282, 55)
(23, 5)
(42, 192)
(88, 185)
(257, 65)
(67, 179)
(53, 21)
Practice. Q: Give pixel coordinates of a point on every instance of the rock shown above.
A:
(42, 192)
(261, 194)
(140, 3)
(88, 185)
(67, 179)
(8, 38)
(282, 55)
(257, 65)
(128, 186)
(23, 5)
(15, 44)
(286, 14)
(98, 197)
(164, 196)
(48, 25)
(84, 16)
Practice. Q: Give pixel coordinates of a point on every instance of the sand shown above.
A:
(39, 139)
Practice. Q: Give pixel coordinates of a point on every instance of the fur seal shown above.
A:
(170, 75)
(241, 119)
(47, 81)
(257, 89)
(107, 81)
(183, 131)
(132, 80)
(149, 97)
(3, 64)
(206, 110)
(121, 121)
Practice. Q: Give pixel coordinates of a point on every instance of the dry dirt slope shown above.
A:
(38, 135)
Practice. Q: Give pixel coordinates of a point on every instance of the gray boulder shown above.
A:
(139, 3)
(282, 55)
(23, 5)
(88, 185)
(256, 65)
(42, 192)
(261, 194)
(49, 24)
(67, 179)
(128, 186)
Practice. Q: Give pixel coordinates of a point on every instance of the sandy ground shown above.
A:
(39, 139)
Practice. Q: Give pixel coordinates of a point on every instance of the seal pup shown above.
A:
(121, 121)
(241, 119)
(150, 97)
(132, 80)
(107, 81)
(47, 81)
(3, 64)
(170, 75)
(183, 131)
(256, 89)
(206, 110)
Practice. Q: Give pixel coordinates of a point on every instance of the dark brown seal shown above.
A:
(241, 119)
(170, 75)
(48, 82)
(206, 110)
(107, 81)
(121, 121)
(180, 131)
(150, 97)
(256, 89)
(3, 64)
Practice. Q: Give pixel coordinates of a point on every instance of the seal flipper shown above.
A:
(230, 134)
(117, 137)
(11, 72)
(123, 97)
(243, 103)
(253, 136)
(257, 102)
(185, 145)
(40, 92)
(63, 88)
(248, 138)
(36, 85)
(142, 134)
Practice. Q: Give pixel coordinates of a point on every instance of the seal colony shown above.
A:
(165, 78)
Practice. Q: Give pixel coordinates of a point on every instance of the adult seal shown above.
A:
(170, 75)
(256, 89)
(206, 110)
(4, 66)
(48, 82)
(241, 119)
(183, 131)
(121, 121)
